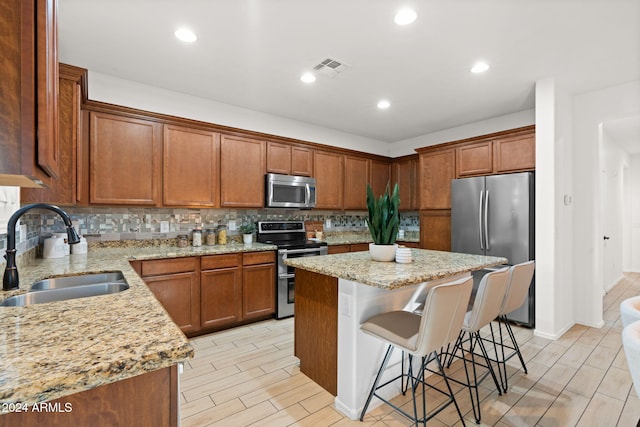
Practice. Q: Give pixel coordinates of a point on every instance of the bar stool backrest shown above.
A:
(443, 315)
(520, 276)
(489, 297)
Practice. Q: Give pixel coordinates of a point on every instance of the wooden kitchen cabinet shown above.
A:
(328, 169)
(278, 158)
(356, 178)
(63, 190)
(403, 171)
(112, 404)
(242, 170)
(191, 167)
(124, 160)
(474, 159)
(176, 284)
(221, 290)
(288, 159)
(436, 170)
(338, 249)
(236, 288)
(28, 93)
(258, 285)
(301, 161)
(516, 153)
(435, 229)
(380, 175)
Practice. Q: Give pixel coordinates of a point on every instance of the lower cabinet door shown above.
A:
(179, 295)
(221, 297)
(259, 290)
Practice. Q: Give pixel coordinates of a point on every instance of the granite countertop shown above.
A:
(51, 350)
(427, 265)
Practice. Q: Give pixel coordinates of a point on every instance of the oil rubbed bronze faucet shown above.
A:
(10, 280)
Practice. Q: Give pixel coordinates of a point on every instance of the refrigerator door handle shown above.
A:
(486, 220)
(480, 219)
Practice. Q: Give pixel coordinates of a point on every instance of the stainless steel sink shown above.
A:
(61, 294)
(81, 280)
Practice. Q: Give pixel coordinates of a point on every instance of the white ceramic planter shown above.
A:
(247, 238)
(382, 252)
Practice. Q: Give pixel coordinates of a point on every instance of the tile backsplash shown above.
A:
(117, 223)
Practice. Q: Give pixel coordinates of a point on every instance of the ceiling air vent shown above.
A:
(330, 67)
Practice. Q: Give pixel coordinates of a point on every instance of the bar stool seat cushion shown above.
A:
(399, 328)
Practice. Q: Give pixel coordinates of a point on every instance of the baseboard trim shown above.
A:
(554, 336)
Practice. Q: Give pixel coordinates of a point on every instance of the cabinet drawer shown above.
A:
(358, 247)
(253, 258)
(169, 266)
(220, 261)
(339, 249)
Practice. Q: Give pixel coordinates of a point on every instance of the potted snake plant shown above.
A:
(383, 223)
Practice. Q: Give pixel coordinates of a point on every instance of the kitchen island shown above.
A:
(118, 351)
(336, 293)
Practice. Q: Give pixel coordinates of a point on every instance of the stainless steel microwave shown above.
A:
(289, 191)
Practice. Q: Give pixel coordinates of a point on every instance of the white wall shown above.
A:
(495, 124)
(117, 91)
(614, 160)
(633, 190)
(590, 111)
(554, 311)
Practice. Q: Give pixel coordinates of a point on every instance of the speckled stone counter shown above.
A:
(52, 350)
(426, 266)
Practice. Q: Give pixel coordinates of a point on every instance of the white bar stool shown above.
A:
(486, 307)
(520, 277)
(421, 336)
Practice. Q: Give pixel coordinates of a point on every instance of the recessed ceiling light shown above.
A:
(186, 35)
(308, 77)
(405, 16)
(383, 104)
(479, 67)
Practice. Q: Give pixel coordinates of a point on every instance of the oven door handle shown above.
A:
(285, 252)
(286, 276)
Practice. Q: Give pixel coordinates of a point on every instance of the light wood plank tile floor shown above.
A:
(249, 376)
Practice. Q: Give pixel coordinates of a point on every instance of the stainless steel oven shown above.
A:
(286, 278)
(290, 238)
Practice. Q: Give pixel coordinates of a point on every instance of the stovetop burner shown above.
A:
(286, 235)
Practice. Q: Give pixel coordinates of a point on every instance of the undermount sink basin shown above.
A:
(51, 295)
(81, 280)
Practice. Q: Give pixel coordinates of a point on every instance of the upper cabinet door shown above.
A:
(356, 178)
(474, 159)
(301, 161)
(242, 170)
(436, 170)
(47, 85)
(329, 172)
(403, 173)
(380, 175)
(124, 160)
(517, 153)
(278, 158)
(191, 168)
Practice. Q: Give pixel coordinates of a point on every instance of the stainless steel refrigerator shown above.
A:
(494, 215)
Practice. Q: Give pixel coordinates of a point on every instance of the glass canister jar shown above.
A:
(196, 237)
(222, 234)
(210, 237)
(183, 240)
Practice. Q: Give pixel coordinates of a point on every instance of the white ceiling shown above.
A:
(251, 53)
